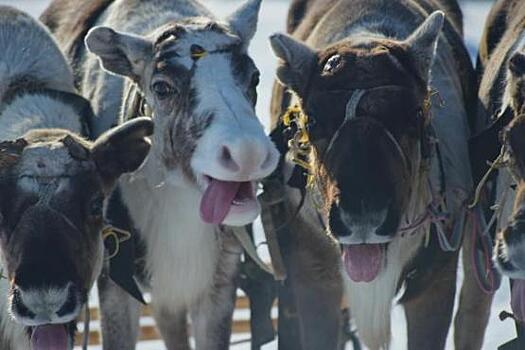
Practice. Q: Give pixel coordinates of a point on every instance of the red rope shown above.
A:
(487, 266)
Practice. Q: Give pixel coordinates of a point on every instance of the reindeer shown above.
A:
(191, 73)
(53, 184)
(499, 142)
(364, 125)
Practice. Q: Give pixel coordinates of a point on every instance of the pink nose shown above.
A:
(247, 158)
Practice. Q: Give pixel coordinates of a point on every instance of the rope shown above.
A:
(486, 273)
(498, 163)
(244, 239)
(113, 232)
(486, 245)
(299, 145)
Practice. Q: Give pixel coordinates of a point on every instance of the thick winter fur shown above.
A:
(40, 62)
(206, 127)
(502, 95)
(508, 40)
(360, 26)
(498, 22)
(52, 183)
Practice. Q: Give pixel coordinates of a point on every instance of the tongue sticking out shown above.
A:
(49, 337)
(363, 262)
(217, 200)
(517, 299)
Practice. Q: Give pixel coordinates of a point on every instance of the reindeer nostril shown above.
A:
(226, 159)
(226, 154)
(18, 306)
(70, 305)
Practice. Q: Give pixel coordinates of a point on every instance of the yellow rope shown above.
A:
(118, 235)
(496, 164)
(300, 145)
(198, 53)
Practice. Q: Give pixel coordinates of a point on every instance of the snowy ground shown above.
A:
(273, 19)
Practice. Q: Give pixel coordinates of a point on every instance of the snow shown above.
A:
(273, 19)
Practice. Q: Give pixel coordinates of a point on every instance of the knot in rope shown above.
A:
(299, 145)
(119, 236)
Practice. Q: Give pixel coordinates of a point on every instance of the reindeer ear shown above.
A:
(422, 43)
(517, 64)
(122, 149)
(296, 61)
(10, 152)
(244, 21)
(120, 53)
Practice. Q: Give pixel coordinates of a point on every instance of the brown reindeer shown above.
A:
(501, 123)
(362, 79)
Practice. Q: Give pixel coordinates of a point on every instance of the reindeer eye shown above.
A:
(332, 64)
(162, 89)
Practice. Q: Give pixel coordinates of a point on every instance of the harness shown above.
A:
(504, 160)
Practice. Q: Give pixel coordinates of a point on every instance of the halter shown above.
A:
(300, 144)
(436, 213)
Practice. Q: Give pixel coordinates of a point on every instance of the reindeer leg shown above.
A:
(474, 305)
(119, 315)
(212, 315)
(429, 309)
(173, 327)
(318, 291)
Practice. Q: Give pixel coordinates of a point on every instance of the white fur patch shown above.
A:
(506, 100)
(361, 226)
(181, 249)
(45, 304)
(10, 332)
(234, 126)
(371, 303)
(515, 254)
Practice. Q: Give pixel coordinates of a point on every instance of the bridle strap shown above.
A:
(350, 114)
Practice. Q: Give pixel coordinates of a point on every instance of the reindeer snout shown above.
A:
(45, 305)
(245, 158)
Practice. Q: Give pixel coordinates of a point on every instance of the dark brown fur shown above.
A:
(323, 98)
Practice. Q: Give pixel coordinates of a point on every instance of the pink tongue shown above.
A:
(363, 262)
(217, 200)
(49, 337)
(517, 299)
